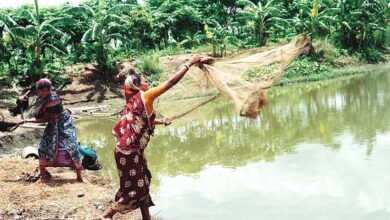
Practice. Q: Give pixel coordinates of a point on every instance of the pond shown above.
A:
(317, 151)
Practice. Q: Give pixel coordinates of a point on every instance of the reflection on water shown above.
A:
(317, 151)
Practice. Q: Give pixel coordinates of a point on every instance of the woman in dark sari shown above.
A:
(132, 133)
(58, 146)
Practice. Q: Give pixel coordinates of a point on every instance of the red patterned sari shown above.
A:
(133, 132)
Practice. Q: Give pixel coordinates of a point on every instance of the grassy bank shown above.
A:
(325, 62)
(329, 74)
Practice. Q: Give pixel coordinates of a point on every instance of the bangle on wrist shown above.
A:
(187, 66)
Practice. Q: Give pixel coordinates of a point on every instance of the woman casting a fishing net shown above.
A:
(132, 133)
(58, 146)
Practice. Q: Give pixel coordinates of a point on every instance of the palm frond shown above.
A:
(53, 30)
(8, 23)
(81, 9)
(53, 47)
(28, 13)
(96, 31)
(246, 3)
(87, 36)
(114, 18)
(53, 41)
(29, 30)
(119, 8)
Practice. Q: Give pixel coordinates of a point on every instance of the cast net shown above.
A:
(244, 78)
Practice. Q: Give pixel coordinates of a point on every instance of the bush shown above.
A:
(304, 67)
(380, 39)
(150, 67)
(260, 73)
(325, 51)
(54, 72)
(372, 55)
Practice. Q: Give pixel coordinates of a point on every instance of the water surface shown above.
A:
(317, 151)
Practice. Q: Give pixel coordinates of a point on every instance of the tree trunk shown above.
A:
(261, 35)
(214, 49)
(166, 39)
(312, 26)
(16, 66)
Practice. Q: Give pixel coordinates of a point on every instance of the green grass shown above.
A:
(149, 65)
(330, 74)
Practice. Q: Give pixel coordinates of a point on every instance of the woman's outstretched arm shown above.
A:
(155, 92)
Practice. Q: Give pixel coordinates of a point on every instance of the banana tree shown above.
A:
(380, 9)
(7, 37)
(6, 24)
(38, 38)
(262, 16)
(359, 20)
(189, 40)
(322, 20)
(375, 18)
(315, 19)
(346, 19)
(219, 37)
(106, 26)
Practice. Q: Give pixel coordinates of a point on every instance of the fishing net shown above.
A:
(243, 78)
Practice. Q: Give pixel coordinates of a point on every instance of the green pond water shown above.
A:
(317, 151)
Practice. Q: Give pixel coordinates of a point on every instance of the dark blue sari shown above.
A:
(59, 132)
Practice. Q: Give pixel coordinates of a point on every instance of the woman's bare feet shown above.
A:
(80, 179)
(145, 213)
(79, 167)
(109, 213)
(43, 174)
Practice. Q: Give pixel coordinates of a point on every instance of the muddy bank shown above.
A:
(59, 198)
(19, 138)
(11, 142)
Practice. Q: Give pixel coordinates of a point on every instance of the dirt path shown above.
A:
(60, 198)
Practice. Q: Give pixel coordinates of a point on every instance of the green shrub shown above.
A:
(54, 72)
(171, 50)
(260, 73)
(150, 67)
(305, 67)
(372, 55)
(325, 51)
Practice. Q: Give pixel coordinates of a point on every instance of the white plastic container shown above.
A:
(30, 152)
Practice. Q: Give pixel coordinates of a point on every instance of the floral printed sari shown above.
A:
(133, 132)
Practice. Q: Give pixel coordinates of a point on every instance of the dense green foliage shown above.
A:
(41, 41)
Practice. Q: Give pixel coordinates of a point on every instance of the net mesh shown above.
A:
(229, 76)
